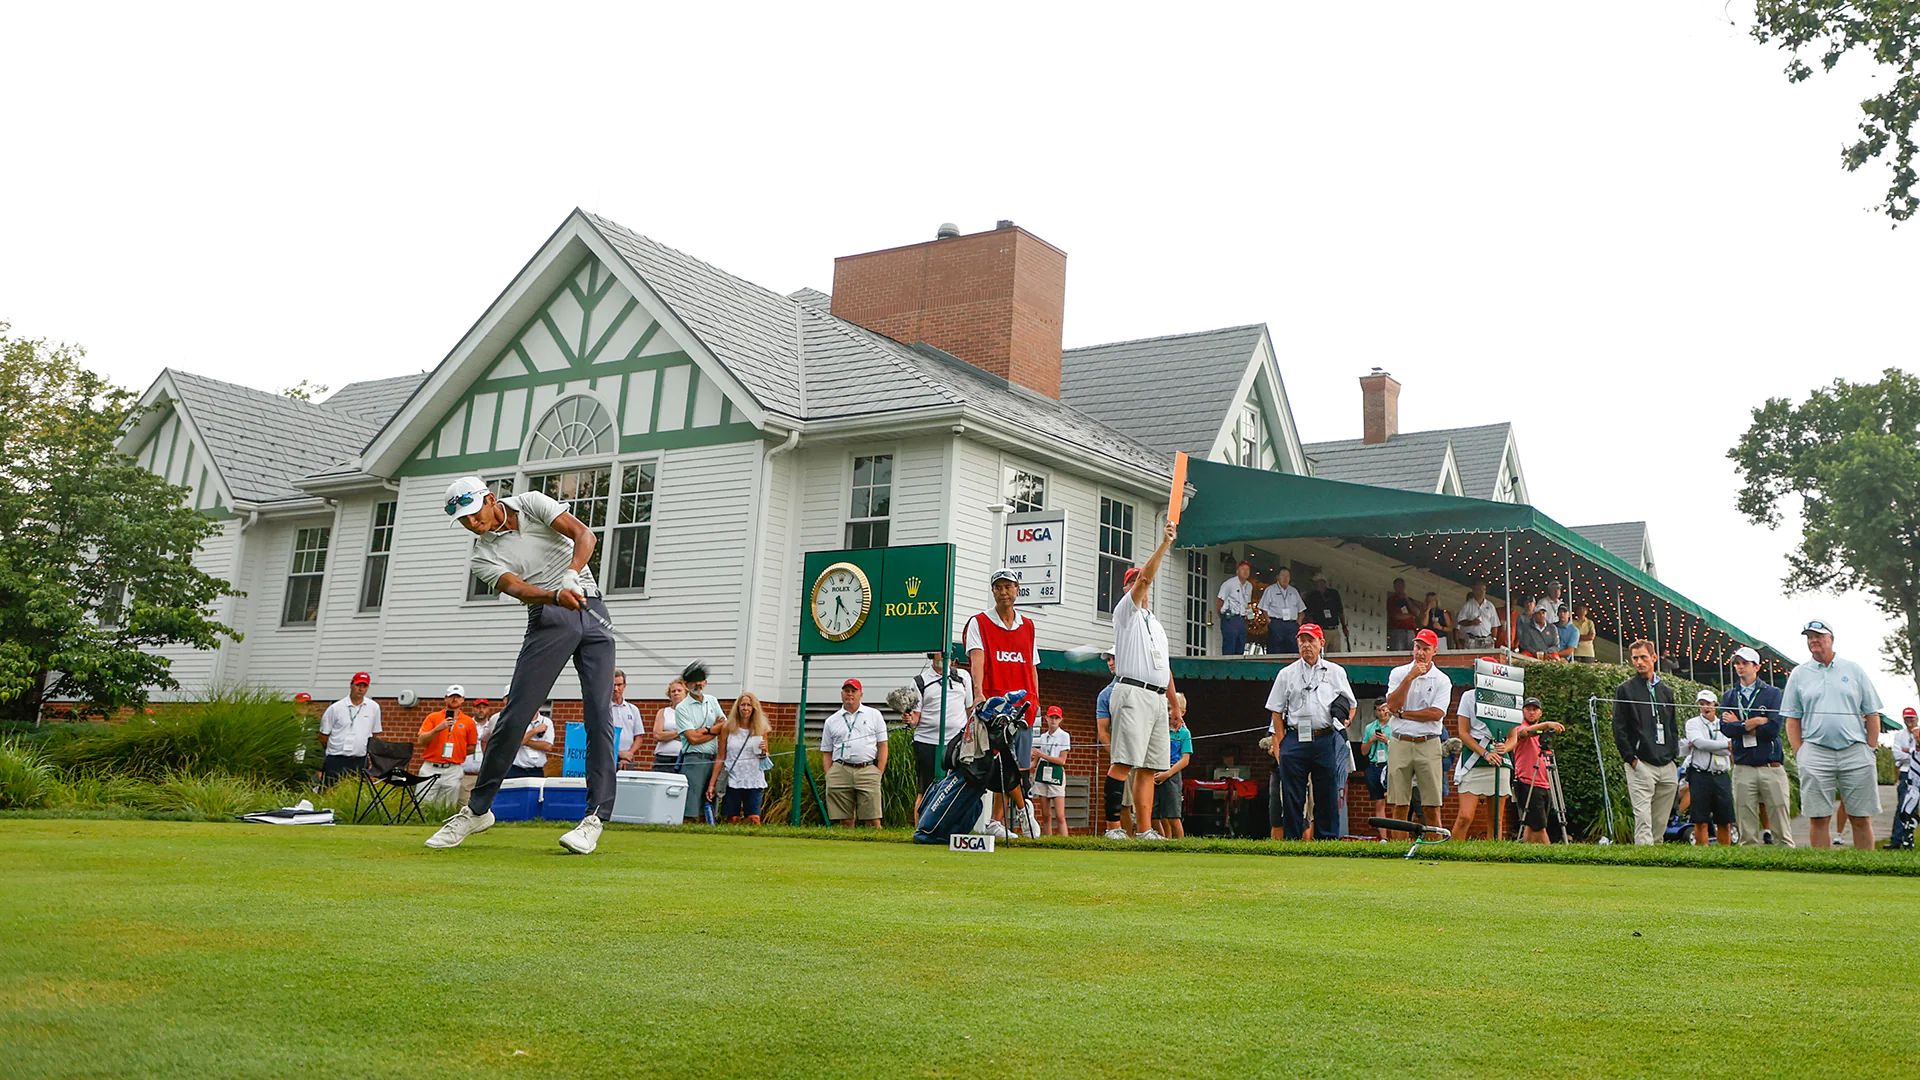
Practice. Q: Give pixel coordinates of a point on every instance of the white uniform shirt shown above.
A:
(348, 726)
(535, 553)
(1468, 760)
(526, 756)
(1139, 644)
(1704, 745)
(1053, 743)
(471, 766)
(854, 738)
(1484, 611)
(970, 638)
(1235, 596)
(1283, 602)
(959, 697)
(1553, 607)
(626, 718)
(1430, 691)
(1304, 694)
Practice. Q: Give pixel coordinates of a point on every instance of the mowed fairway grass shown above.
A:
(139, 948)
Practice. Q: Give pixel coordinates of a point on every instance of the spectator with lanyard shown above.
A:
(626, 721)
(345, 728)
(666, 733)
(699, 721)
(446, 738)
(1283, 605)
(1403, 617)
(1144, 701)
(1750, 716)
(1309, 706)
(937, 686)
(1482, 772)
(743, 754)
(1050, 772)
(1533, 790)
(1232, 603)
(1648, 739)
(1115, 791)
(853, 745)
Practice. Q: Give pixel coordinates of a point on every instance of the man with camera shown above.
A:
(1310, 704)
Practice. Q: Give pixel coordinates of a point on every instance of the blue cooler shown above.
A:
(518, 799)
(564, 798)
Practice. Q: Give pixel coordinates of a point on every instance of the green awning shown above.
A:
(1460, 539)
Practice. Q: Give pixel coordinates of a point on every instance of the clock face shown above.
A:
(841, 600)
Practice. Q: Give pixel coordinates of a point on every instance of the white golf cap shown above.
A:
(465, 496)
(1745, 652)
(1705, 695)
(456, 690)
(1003, 574)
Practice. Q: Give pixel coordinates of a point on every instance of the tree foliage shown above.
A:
(96, 553)
(1850, 454)
(1890, 31)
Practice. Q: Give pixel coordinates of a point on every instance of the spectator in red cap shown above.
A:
(1050, 772)
(1417, 697)
(1906, 763)
(345, 728)
(1310, 704)
(853, 744)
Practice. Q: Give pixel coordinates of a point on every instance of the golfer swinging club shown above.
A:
(533, 549)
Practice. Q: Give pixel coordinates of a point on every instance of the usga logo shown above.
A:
(1038, 532)
(1005, 657)
(970, 842)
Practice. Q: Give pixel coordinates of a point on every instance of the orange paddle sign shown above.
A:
(1179, 498)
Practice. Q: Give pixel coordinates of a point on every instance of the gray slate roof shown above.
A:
(1411, 460)
(375, 400)
(1104, 382)
(1625, 539)
(795, 357)
(263, 443)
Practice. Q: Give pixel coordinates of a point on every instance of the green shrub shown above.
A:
(243, 733)
(215, 796)
(26, 780)
(1883, 764)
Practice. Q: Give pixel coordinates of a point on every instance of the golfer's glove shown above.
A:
(570, 582)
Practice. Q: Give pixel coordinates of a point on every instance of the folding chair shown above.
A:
(387, 777)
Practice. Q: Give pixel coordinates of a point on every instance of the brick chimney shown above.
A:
(993, 299)
(1379, 407)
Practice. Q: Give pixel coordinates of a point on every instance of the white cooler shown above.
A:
(649, 798)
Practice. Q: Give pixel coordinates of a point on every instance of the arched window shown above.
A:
(575, 427)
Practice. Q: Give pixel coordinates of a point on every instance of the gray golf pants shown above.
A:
(554, 636)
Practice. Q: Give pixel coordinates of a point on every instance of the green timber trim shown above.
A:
(1258, 668)
(718, 435)
(217, 512)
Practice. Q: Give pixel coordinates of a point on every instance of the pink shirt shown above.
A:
(1529, 765)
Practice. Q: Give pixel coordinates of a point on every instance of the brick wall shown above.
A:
(994, 299)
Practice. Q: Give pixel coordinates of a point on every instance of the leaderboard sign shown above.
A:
(1498, 691)
(877, 600)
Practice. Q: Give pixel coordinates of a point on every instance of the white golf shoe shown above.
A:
(994, 829)
(1150, 834)
(459, 827)
(584, 837)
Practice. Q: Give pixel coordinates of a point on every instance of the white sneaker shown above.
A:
(1032, 823)
(1116, 834)
(1148, 835)
(994, 829)
(459, 827)
(584, 837)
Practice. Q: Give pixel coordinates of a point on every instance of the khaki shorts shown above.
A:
(1142, 734)
(1830, 776)
(853, 793)
(1479, 781)
(1410, 763)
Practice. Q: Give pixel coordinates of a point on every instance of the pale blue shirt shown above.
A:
(1831, 702)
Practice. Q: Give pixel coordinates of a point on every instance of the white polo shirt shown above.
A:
(626, 717)
(1235, 596)
(526, 756)
(534, 552)
(1430, 691)
(1139, 644)
(959, 698)
(1482, 610)
(856, 737)
(348, 726)
(1283, 602)
(1303, 694)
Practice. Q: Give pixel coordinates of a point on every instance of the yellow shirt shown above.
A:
(1585, 626)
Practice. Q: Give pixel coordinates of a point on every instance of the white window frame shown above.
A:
(1100, 555)
(386, 556)
(1010, 468)
(605, 536)
(604, 573)
(847, 520)
(318, 574)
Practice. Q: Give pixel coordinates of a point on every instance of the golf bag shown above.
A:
(952, 806)
(983, 751)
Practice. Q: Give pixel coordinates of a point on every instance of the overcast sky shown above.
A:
(1619, 232)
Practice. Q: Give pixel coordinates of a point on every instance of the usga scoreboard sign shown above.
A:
(1036, 550)
(877, 600)
(1498, 690)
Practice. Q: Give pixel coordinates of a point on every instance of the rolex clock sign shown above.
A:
(877, 600)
